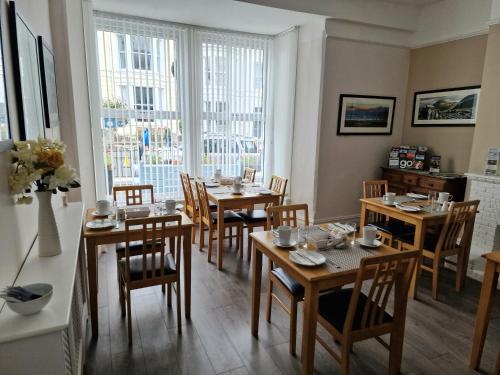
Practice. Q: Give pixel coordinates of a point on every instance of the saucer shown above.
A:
(307, 258)
(408, 208)
(101, 224)
(292, 243)
(212, 184)
(102, 214)
(374, 244)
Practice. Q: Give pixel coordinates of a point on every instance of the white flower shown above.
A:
(62, 177)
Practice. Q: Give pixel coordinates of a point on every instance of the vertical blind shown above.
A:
(175, 97)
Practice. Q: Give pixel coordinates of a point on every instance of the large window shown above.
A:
(177, 98)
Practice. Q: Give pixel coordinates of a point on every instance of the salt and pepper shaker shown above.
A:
(444, 207)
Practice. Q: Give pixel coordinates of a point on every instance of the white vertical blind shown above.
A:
(177, 98)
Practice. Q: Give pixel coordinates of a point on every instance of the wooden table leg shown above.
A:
(186, 247)
(490, 280)
(364, 216)
(92, 273)
(220, 235)
(311, 302)
(418, 243)
(256, 284)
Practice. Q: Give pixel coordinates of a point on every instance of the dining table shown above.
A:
(421, 220)
(116, 234)
(341, 268)
(222, 195)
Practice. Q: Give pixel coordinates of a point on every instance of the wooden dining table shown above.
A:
(490, 282)
(313, 279)
(420, 220)
(224, 198)
(93, 238)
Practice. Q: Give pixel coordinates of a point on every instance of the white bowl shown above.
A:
(35, 305)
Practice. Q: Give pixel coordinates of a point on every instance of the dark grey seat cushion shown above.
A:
(293, 287)
(134, 247)
(254, 216)
(333, 307)
(229, 217)
(136, 265)
(395, 227)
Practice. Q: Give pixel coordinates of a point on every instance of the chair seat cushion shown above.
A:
(254, 216)
(294, 287)
(136, 265)
(430, 240)
(394, 227)
(211, 206)
(229, 217)
(334, 305)
(133, 246)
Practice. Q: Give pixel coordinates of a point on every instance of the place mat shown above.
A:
(218, 190)
(338, 260)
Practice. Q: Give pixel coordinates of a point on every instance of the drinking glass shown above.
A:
(433, 198)
(351, 235)
(302, 237)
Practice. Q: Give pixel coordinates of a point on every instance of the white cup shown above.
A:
(369, 235)
(102, 206)
(170, 206)
(389, 198)
(444, 197)
(284, 234)
(218, 174)
(237, 187)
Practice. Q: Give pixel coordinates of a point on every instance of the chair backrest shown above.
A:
(278, 185)
(249, 174)
(134, 194)
(287, 215)
(154, 233)
(189, 200)
(375, 188)
(391, 272)
(203, 201)
(458, 226)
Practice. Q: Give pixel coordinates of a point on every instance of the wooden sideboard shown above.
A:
(403, 181)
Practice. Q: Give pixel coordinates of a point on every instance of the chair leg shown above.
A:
(129, 318)
(435, 277)
(118, 268)
(345, 358)
(230, 236)
(169, 295)
(249, 243)
(210, 240)
(193, 232)
(121, 295)
(459, 279)
(178, 303)
(293, 324)
(240, 240)
(163, 288)
(202, 235)
(269, 301)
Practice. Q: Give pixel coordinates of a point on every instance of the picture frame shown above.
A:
(446, 107)
(48, 84)
(5, 130)
(26, 76)
(365, 115)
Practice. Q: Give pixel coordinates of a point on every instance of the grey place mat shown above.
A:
(338, 260)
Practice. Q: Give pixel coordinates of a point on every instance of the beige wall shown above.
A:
(487, 132)
(447, 65)
(345, 161)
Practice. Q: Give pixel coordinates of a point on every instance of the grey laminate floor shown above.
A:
(217, 340)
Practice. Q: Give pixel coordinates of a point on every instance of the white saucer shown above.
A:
(212, 184)
(306, 258)
(416, 196)
(99, 214)
(362, 242)
(292, 243)
(409, 208)
(101, 224)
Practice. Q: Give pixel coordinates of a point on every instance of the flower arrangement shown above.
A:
(39, 162)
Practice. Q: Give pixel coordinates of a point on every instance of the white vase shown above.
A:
(49, 243)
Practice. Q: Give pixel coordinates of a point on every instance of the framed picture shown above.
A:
(365, 115)
(48, 81)
(5, 133)
(449, 107)
(26, 76)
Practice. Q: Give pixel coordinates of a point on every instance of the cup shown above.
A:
(238, 179)
(120, 213)
(218, 174)
(170, 206)
(389, 198)
(102, 206)
(284, 234)
(444, 197)
(237, 187)
(369, 235)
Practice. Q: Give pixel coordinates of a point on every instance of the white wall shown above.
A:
(308, 94)
(345, 161)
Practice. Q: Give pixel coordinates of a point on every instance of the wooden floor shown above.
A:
(217, 340)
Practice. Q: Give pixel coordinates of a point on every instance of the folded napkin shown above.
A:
(408, 208)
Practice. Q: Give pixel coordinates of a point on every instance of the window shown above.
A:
(144, 98)
(141, 52)
(122, 51)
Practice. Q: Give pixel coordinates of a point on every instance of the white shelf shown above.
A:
(59, 271)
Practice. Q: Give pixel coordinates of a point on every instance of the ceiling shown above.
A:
(222, 14)
(418, 3)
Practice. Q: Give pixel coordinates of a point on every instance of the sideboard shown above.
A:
(402, 181)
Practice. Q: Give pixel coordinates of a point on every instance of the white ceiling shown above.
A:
(223, 14)
(418, 3)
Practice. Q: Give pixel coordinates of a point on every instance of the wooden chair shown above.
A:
(454, 239)
(249, 174)
(390, 229)
(276, 216)
(134, 194)
(154, 265)
(191, 206)
(258, 218)
(349, 315)
(208, 219)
